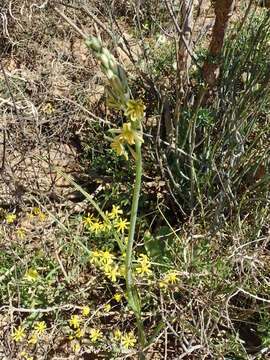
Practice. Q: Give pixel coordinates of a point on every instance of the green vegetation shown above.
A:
(160, 247)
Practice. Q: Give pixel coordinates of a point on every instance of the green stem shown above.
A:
(133, 299)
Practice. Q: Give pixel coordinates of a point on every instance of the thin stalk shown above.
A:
(132, 295)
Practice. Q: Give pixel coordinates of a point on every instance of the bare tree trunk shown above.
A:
(183, 56)
(223, 12)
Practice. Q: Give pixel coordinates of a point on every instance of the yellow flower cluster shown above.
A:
(105, 261)
(131, 131)
(127, 340)
(97, 227)
(144, 265)
(170, 278)
(19, 335)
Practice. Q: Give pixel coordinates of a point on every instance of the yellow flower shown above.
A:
(20, 233)
(135, 110)
(117, 334)
(144, 265)
(40, 327)
(95, 335)
(96, 255)
(115, 212)
(107, 308)
(18, 334)
(95, 227)
(10, 218)
(128, 340)
(36, 211)
(75, 321)
(171, 277)
(106, 257)
(121, 225)
(79, 333)
(31, 275)
(117, 146)
(49, 108)
(85, 310)
(88, 220)
(130, 135)
(117, 297)
(34, 339)
(112, 273)
(106, 226)
(42, 217)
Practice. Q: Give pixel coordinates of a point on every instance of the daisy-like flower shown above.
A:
(121, 225)
(128, 340)
(117, 335)
(79, 333)
(107, 308)
(135, 110)
(31, 275)
(40, 327)
(112, 273)
(171, 277)
(85, 310)
(18, 334)
(10, 218)
(95, 335)
(95, 227)
(88, 220)
(34, 339)
(144, 265)
(116, 211)
(75, 321)
(106, 257)
(21, 233)
(117, 297)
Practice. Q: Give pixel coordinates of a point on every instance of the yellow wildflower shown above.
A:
(107, 308)
(106, 257)
(36, 211)
(95, 335)
(117, 334)
(171, 277)
(130, 135)
(115, 212)
(128, 340)
(85, 310)
(117, 146)
(40, 327)
(96, 255)
(75, 321)
(20, 233)
(144, 265)
(42, 217)
(18, 334)
(121, 225)
(135, 110)
(95, 227)
(34, 339)
(88, 220)
(10, 218)
(49, 108)
(31, 275)
(117, 297)
(79, 333)
(112, 273)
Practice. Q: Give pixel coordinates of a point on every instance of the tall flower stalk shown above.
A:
(130, 134)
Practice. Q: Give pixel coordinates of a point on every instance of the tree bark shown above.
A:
(211, 68)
